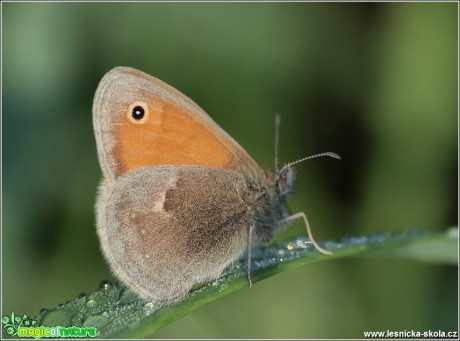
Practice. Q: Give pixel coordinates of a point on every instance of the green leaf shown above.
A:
(434, 248)
(118, 313)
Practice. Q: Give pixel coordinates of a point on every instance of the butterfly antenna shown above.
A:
(330, 154)
(277, 138)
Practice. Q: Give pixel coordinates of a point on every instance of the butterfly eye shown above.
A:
(138, 112)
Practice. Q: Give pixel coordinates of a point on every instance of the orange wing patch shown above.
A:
(169, 136)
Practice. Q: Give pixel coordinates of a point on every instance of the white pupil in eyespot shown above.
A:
(138, 112)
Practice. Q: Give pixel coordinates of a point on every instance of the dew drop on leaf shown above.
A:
(148, 309)
(105, 285)
(91, 303)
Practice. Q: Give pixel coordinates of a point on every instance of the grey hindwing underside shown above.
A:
(165, 228)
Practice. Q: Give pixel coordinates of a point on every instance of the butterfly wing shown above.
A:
(165, 228)
(173, 130)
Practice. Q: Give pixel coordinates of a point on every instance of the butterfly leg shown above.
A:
(301, 215)
(251, 230)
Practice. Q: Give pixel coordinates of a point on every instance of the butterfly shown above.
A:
(180, 199)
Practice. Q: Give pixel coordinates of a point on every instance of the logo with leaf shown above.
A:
(13, 322)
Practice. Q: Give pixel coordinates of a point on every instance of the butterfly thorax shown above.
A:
(267, 197)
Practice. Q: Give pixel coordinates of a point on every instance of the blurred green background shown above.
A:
(374, 82)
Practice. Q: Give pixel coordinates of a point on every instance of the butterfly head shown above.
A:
(286, 180)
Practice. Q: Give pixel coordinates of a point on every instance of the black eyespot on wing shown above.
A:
(138, 112)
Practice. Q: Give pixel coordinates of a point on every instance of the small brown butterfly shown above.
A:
(180, 199)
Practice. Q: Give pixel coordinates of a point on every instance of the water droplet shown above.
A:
(105, 285)
(60, 317)
(357, 240)
(363, 239)
(330, 245)
(413, 232)
(377, 238)
(82, 295)
(256, 252)
(95, 321)
(128, 296)
(148, 309)
(302, 244)
(223, 287)
(91, 303)
(452, 232)
(106, 314)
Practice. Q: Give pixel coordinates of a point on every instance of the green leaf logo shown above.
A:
(11, 323)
